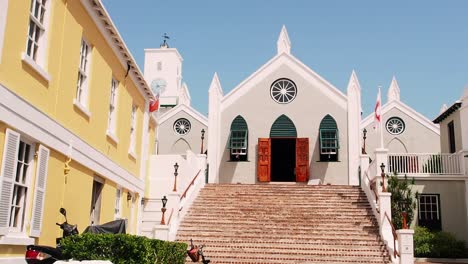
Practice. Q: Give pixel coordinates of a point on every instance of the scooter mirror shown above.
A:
(63, 212)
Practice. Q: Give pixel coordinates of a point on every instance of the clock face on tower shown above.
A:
(158, 86)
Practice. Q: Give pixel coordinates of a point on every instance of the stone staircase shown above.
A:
(283, 223)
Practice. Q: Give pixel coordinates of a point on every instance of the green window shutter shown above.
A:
(238, 139)
(328, 123)
(283, 127)
(239, 123)
(329, 141)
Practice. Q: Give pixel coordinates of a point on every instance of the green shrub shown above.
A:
(437, 244)
(402, 199)
(123, 248)
(422, 242)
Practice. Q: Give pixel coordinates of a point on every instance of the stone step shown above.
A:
(186, 235)
(292, 257)
(285, 243)
(284, 223)
(272, 226)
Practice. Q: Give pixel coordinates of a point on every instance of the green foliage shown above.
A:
(402, 199)
(422, 241)
(121, 248)
(438, 244)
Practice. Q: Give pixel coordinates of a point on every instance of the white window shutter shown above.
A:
(7, 178)
(39, 191)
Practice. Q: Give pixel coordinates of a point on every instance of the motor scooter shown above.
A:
(37, 254)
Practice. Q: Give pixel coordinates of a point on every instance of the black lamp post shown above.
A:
(364, 133)
(176, 167)
(382, 168)
(202, 138)
(163, 209)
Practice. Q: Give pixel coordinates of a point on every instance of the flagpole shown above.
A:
(380, 123)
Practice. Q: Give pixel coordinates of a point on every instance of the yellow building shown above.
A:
(74, 122)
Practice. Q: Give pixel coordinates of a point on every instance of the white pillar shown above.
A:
(405, 246)
(364, 161)
(381, 156)
(161, 232)
(354, 133)
(385, 227)
(214, 105)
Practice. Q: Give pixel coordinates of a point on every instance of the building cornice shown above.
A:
(447, 112)
(107, 28)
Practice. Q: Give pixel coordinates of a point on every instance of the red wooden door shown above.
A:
(264, 160)
(302, 160)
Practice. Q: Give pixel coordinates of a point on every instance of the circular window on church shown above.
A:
(395, 125)
(283, 91)
(182, 126)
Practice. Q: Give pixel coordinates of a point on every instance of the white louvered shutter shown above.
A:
(9, 165)
(39, 191)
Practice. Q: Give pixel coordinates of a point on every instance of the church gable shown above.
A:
(285, 66)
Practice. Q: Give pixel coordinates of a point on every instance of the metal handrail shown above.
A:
(190, 185)
(395, 238)
(371, 185)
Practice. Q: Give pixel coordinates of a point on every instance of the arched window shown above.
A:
(238, 140)
(329, 142)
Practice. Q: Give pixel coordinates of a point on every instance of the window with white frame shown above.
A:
(36, 32)
(83, 69)
(113, 106)
(16, 185)
(132, 129)
(20, 187)
(118, 197)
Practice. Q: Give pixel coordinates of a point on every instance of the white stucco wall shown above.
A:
(306, 111)
(452, 204)
(416, 138)
(444, 139)
(170, 142)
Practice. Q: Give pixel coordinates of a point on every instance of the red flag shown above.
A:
(154, 105)
(377, 109)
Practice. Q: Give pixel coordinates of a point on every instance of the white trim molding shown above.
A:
(183, 108)
(12, 260)
(24, 117)
(36, 67)
(103, 21)
(3, 20)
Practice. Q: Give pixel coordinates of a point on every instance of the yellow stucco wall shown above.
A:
(68, 23)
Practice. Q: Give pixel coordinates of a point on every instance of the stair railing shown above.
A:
(187, 197)
(370, 186)
(395, 237)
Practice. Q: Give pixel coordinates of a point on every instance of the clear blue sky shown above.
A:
(423, 43)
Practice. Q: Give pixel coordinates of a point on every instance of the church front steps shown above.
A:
(275, 223)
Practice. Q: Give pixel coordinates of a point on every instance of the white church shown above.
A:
(287, 124)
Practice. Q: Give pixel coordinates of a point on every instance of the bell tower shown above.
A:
(163, 72)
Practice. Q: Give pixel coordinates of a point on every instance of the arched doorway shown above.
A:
(283, 136)
(283, 157)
